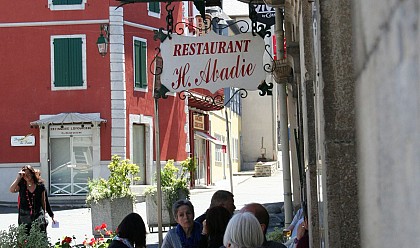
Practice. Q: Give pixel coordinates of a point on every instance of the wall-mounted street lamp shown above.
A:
(102, 41)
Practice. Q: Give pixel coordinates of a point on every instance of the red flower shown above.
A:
(66, 240)
(92, 242)
(108, 233)
(98, 228)
(103, 226)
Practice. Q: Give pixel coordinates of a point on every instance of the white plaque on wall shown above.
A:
(28, 140)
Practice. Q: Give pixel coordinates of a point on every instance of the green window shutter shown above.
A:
(74, 1)
(137, 77)
(143, 65)
(140, 73)
(66, 2)
(68, 62)
(75, 62)
(60, 62)
(154, 7)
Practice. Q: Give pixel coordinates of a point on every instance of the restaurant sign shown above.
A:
(212, 62)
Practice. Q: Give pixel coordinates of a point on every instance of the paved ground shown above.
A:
(247, 189)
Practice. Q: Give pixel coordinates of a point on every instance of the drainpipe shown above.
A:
(284, 134)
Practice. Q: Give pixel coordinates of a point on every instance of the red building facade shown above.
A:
(68, 108)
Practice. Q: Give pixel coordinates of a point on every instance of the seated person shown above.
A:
(214, 226)
(296, 222)
(220, 198)
(243, 230)
(260, 212)
(187, 234)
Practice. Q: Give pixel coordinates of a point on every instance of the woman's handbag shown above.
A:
(24, 217)
(42, 221)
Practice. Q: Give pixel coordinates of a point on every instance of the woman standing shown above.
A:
(131, 232)
(31, 199)
(187, 233)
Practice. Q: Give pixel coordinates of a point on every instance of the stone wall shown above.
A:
(336, 143)
(387, 58)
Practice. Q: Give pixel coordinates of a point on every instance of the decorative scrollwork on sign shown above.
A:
(159, 34)
(169, 19)
(242, 24)
(266, 89)
(243, 94)
(216, 100)
(261, 29)
(161, 92)
(157, 60)
(269, 67)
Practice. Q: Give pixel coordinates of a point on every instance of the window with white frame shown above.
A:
(68, 62)
(154, 9)
(140, 64)
(218, 149)
(67, 4)
(235, 150)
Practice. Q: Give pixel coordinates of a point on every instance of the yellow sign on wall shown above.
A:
(198, 122)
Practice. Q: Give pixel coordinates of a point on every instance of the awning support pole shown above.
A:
(158, 169)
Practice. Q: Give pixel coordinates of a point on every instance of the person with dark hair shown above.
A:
(31, 199)
(217, 219)
(131, 232)
(261, 213)
(220, 198)
(187, 234)
(47, 202)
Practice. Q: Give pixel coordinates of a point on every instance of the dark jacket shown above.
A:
(117, 244)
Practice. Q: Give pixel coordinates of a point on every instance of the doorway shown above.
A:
(139, 151)
(70, 165)
(201, 156)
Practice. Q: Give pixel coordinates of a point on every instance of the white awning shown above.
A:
(68, 118)
(208, 137)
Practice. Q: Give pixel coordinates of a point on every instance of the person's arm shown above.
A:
(302, 228)
(47, 206)
(168, 240)
(15, 185)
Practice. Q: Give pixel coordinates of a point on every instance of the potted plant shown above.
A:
(174, 186)
(111, 199)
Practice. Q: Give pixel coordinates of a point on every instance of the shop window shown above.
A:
(68, 60)
(140, 65)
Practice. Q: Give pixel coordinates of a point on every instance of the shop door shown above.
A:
(70, 165)
(139, 151)
(200, 154)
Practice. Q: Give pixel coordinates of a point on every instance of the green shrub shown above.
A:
(118, 183)
(276, 235)
(16, 236)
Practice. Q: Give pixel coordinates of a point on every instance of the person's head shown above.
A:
(30, 174)
(243, 231)
(223, 198)
(217, 218)
(183, 211)
(260, 213)
(132, 227)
